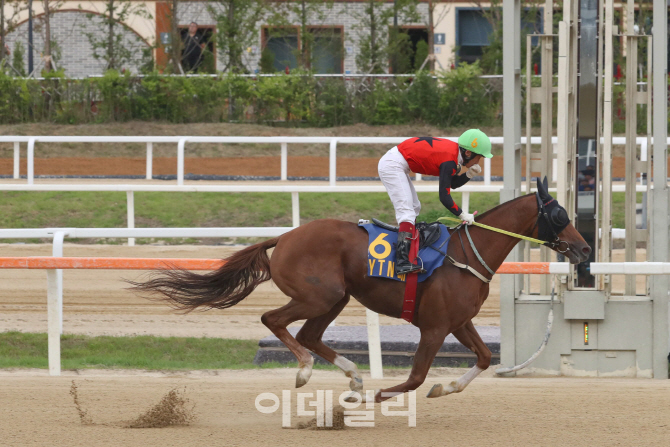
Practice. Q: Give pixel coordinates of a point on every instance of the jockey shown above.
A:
(429, 156)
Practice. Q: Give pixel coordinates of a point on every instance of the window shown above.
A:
(282, 44)
(327, 49)
(472, 35)
(473, 31)
(203, 58)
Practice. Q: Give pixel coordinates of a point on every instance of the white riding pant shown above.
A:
(394, 174)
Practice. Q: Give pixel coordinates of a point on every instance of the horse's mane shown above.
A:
(494, 209)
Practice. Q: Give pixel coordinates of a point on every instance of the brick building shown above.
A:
(337, 33)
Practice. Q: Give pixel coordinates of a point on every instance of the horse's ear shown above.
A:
(543, 189)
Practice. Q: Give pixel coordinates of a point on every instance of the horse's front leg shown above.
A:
(469, 337)
(431, 341)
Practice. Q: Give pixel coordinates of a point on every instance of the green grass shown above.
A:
(26, 350)
(108, 209)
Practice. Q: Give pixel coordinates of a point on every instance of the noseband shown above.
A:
(551, 220)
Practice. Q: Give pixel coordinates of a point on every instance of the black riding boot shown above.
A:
(402, 264)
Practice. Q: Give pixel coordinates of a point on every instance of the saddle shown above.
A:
(429, 233)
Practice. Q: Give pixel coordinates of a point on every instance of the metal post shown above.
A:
(606, 219)
(17, 158)
(150, 159)
(659, 218)
(180, 161)
(31, 161)
(295, 207)
(130, 210)
(510, 284)
(284, 161)
(631, 146)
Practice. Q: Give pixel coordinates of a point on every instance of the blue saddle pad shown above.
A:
(381, 253)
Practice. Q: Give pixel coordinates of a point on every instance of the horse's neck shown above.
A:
(517, 217)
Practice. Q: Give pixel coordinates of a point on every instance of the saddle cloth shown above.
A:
(381, 252)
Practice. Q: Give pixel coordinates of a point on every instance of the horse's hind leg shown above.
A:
(277, 320)
(469, 337)
(310, 337)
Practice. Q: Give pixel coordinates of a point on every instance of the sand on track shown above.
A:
(37, 410)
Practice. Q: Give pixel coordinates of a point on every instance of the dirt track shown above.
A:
(96, 303)
(38, 411)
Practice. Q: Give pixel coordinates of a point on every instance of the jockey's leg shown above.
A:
(469, 337)
(394, 174)
(416, 204)
(310, 337)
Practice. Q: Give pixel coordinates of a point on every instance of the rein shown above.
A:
(542, 213)
(497, 230)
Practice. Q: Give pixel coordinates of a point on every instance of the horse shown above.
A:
(321, 264)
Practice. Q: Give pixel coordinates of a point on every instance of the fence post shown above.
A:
(487, 171)
(465, 202)
(57, 251)
(333, 162)
(31, 161)
(150, 159)
(180, 161)
(295, 205)
(284, 161)
(130, 209)
(374, 345)
(418, 177)
(52, 323)
(17, 157)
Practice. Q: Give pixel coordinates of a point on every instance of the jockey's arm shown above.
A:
(448, 180)
(459, 180)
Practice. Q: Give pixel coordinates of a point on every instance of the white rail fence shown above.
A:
(181, 141)
(295, 191)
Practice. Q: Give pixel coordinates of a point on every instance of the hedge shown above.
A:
(459, 97)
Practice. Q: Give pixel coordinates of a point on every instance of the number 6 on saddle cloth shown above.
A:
(382, 243)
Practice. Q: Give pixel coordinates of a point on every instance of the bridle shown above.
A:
(551, 220)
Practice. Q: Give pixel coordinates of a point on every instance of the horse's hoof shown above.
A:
(356, 384)
(354, 397)
(436, 391)
(302, 377)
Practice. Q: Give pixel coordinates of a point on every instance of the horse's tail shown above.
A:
(220, 289)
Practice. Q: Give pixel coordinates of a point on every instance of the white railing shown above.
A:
(282, 141)
(292, 188)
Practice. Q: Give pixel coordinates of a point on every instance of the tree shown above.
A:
(50, 6)
(107, 42)
(8, 24)
(492, 54)
(375, 42)
(237, 28)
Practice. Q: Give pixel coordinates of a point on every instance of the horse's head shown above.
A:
(554, 227)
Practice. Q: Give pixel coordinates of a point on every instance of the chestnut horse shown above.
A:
(320, 265)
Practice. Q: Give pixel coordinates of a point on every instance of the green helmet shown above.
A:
(476, 141)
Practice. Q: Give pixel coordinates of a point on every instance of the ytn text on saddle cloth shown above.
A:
(381, 253)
